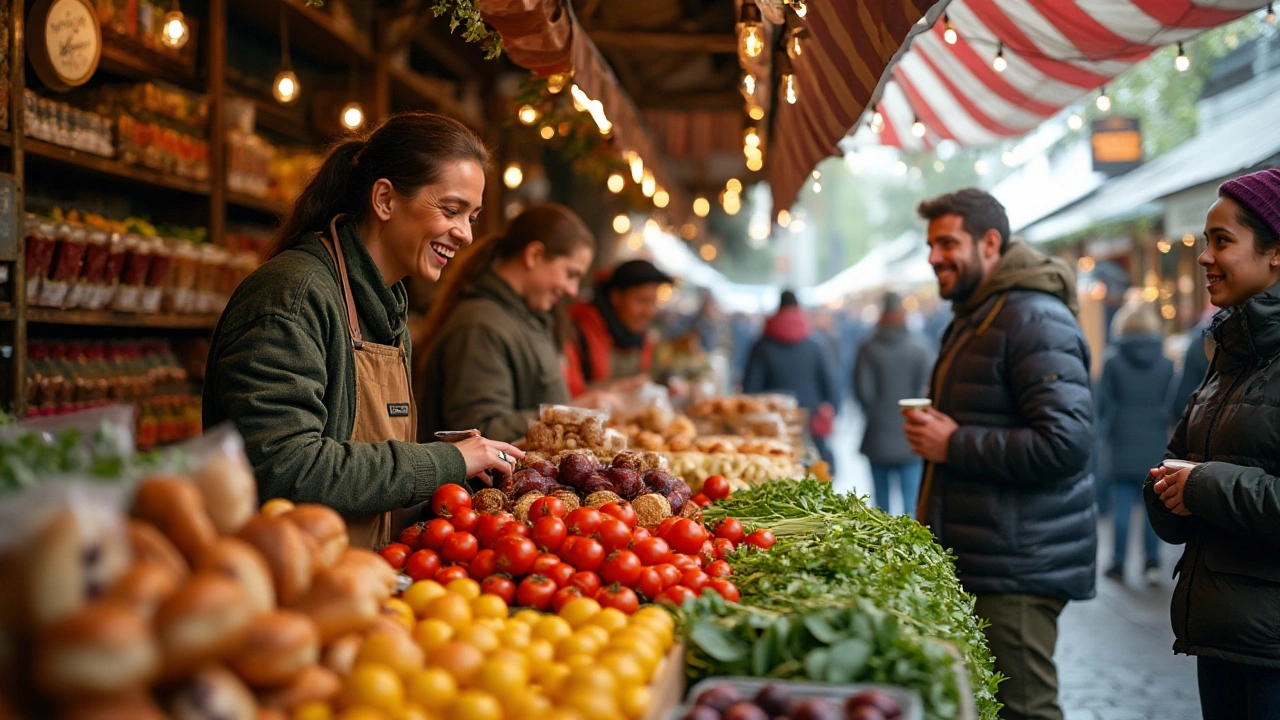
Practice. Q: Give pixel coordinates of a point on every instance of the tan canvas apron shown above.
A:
(385, 409)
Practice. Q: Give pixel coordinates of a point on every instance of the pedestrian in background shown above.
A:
(1195, 365)
(790, 358)
(1136, 379)
(892, 364)
(1225, 508)
(1007, 485)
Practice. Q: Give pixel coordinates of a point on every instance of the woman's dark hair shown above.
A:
(409, 150)
(1264, 238)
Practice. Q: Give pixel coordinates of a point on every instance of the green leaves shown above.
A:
(30, 457)
(465, 14)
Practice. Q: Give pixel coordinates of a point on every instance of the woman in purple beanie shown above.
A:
(1223, 500)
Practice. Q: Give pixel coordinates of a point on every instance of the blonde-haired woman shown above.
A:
(1135, 385)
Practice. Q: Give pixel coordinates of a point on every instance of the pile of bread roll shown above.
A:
(203, 608)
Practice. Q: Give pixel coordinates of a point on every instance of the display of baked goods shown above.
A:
(582, 479)
(562, 428)
(740, 469)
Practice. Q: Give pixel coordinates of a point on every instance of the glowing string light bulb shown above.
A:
(174, 29)
(789, 88)
(701, 206)
(1103, 102)
(352, 116)
(918, 129)
(1181, 63)
(615, 183)
(751, 34)
(1271, 14)
(999, 64)
(528, 114)
(950, 34)
(800, 7)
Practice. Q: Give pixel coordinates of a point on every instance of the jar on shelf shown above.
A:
(68, 258)
(181, 290)
(137, 265)
(212, 262)
(39, 253)
(93, 271)
(111, 272)
(157, 275)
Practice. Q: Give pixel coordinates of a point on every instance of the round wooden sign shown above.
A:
(64, 41)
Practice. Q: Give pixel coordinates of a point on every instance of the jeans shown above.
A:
(1124, 496)
(908, 475)
(1235, 691)
(1022, 637)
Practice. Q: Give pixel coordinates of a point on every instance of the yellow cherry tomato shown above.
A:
(399, 611)
(373, 685)
(593, 704)
(576, 645)
(475, 705)
(528, 617)
(515, 635)
(626, 669)
(466, 587)
(540, 652)
(413, 712)
(433, 688)
(655, 614)
(489, 606)
(594, 632)
(393, 649)
(611, 619)
(635, 701)
(421, 593)
(453, 609)
(480, 636)
(578, 611)
(500, 676)
(527, 705)
(363, 712)
(460, 660)
(552, 629)
(314, 710)
(553, 678)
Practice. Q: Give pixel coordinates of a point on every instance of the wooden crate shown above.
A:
(668, 684)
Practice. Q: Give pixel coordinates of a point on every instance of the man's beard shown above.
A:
(968, 278)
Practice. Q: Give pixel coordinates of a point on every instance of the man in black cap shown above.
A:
(613, 329)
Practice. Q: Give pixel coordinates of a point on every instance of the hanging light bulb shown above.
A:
(817, 187)
(731, 202)
(1181, 63)
(1271, 14)
(1103, 102)
(800, 8)
(621, 223)
(174, 30)
(789, 88)
(547, 132)
(755, 163)
(917, 128)
(784, 218)
(751, 34)
(701, 206)
(877, 122)
(816, 174)
(755, 112)
(794, 48)
(637, 166)
(999, 64)
(513, 176)
(661, 199)
(1074, 121)
(615, 183)
(555, 83)
(707, 252)
(352, 116)
(749, 85)
(733, 185)
(751, 137)
(529, 114)
(648, 183)
(950, 34)
(286, 87)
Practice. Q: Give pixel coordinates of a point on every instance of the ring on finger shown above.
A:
(502, 455)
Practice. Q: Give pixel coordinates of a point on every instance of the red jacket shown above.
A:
(594, 340)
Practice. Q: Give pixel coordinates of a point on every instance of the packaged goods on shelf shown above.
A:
(141, 23)
(290, 169)
(61, 124)
(248, 163)
(158, 126)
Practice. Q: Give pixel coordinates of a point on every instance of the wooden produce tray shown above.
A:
(668, 684)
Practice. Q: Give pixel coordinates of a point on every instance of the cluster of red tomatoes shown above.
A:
(560, 555)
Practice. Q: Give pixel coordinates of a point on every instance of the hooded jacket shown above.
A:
(892, 364)
(789, 359)
(1014, 499)
(493, 364)
(589, 358)
(1224, 604)
(1136, 382)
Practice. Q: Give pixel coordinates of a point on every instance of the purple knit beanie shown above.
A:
(1260, 192)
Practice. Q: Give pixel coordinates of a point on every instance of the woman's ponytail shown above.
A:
(324, 196)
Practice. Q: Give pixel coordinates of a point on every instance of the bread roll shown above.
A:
(202, 622)
(288, 551)
(277, 647)
(144, 587)
(326, 527)
(131, 706)
(73, 558)
(177, 509)
(106, 648)
(313, 684)
(340, 654)
(242, 562)
(339, 603)
(375, 573)
(151, 545)
(213, 693)
(229, 490)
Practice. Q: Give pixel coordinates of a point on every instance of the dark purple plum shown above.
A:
(576, 468)
(745, 711)
(720, 697)
(702, 712)
(881, 701)
(516, 478)
(626, 482)
(813, 710)
(595, 483)
(774, 699)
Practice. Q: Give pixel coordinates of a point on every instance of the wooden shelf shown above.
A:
(262, 205)
(434, 93)
(48, 152)
(107, 318)
(312, 32)
(6, 138)
(6, 312)
(143, 64)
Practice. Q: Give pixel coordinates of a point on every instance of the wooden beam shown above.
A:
(724, 100)
(451, 52)
(672, 42)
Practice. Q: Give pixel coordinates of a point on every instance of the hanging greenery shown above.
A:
(464, 14)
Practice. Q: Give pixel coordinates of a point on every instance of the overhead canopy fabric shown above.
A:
(1056, 51)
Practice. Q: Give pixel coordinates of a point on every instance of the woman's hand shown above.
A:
(486, 457)
(1169, 488)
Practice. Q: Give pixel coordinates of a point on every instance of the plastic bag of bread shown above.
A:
(218, 466)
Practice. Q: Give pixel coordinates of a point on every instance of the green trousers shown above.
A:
(1022, 635)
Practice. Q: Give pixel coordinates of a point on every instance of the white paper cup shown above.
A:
(1176, 465)
(915, 403)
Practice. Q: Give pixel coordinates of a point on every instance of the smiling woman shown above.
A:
(310, 359)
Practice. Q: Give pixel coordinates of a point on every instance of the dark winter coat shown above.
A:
(892, 364)
(789, 358)
(1136, 383)
(1195, 365)
(1015, 499)
(1227, 600)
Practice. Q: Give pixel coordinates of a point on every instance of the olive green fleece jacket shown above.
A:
(282, 368)
(493, 364)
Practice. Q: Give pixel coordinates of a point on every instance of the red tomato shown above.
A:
(588, 583)
(669, 573)
(423, 565)
(664, 527)
(695, 580)
(395, 554)
(500, 585)
(460, 547)
(652, 551)
(547, 505)
(561, 573)
(409, 536)
(621, 510)
(707, 554)
(762, 539)
(613, 534)
(536, 591)
(719, 569)
(549, 532)
(434, 535)
(448, 499)
(563, 596)
(700, 500)
(716, 488)
(684, 562)
(676, 595)
(686, 536)
(730, 529)
(618, 597)
(723, 547)
(639, 534)
(622, 566)
(649, 583)
(516, 528)
(544, 562)
(465, 520)
(585, 554)
(727, 590)
(515, 555)
(483, 565)
(584, 521)
(451, 573)
(490, 527)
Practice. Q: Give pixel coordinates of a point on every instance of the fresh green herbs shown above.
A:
(465, 14)
(31, 457)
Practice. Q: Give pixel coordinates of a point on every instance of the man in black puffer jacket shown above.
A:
(1007, 442)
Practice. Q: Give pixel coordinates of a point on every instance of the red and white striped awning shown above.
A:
(1056, 51)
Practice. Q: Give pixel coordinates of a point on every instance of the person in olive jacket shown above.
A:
(494, 356)
(1007, 441)
(1226, 509)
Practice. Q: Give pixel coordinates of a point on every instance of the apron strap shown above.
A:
(331, 244)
